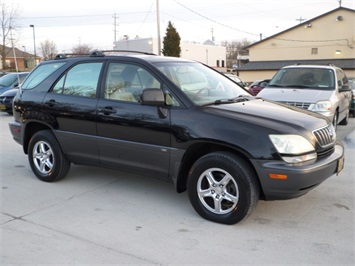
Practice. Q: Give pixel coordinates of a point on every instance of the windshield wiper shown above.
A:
(290, 86)
(275, 85)
(298, 86)
(240, 98)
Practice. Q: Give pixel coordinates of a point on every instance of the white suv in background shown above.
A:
(319, 88)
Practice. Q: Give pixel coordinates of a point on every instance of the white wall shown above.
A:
(207, 54)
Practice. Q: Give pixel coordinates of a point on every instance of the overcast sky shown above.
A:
(71, 22)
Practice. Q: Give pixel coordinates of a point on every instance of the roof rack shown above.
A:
(99, 53)
(110, 52)
(66, 55)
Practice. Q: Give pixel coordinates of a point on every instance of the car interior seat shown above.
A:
(307, 79)
(326, 79)
(115, 90)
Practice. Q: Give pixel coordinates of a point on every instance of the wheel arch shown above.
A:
(197, 150)
(30, 129)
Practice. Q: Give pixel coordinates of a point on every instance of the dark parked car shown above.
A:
(352, 103)
(235, 78)
(11, 80)
(176, 120)
(8, 95)
(6, 99)
(3, 74)
(257, 86)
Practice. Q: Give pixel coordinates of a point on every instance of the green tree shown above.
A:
(171, 42)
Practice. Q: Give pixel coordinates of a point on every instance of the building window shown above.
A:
(217, 63)
(314, 51)
(222, 63)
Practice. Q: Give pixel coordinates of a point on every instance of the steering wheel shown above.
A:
(198, 94)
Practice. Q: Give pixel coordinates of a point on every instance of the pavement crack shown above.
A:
(13, 217)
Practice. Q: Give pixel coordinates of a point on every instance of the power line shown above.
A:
(224, 25)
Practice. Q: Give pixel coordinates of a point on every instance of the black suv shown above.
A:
(176, 120)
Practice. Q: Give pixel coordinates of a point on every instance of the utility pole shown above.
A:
(114, 27)
(301, 19)
(34, 43)
(158, 28)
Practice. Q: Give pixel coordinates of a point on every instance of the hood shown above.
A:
(295, 94)
(272, 115)
(11, 92)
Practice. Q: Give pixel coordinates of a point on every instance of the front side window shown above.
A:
(341, 78)
(81, 80)
(126, 82)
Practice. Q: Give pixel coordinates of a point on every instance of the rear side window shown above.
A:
(81, 80)
(39, 74)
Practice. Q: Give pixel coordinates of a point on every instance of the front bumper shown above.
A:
(298, 180)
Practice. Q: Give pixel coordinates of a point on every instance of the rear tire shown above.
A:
(223, 188)
(46, 158)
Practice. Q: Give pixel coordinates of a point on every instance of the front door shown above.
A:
(132, 136)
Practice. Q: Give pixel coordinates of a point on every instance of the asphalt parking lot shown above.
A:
(97, 216)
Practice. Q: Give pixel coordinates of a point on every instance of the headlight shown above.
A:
(293, 148)
(322, 106)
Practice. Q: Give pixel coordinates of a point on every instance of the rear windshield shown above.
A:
(39, 74)
(315, 78)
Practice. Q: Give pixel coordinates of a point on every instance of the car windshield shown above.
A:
(202, 84)
(8, 79)
(308, 78)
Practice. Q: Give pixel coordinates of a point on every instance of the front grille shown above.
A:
(4, 99)
(301, 105)
(325, 153)
(325, 136)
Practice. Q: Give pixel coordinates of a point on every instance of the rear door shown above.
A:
(132, 136)
(70, 107)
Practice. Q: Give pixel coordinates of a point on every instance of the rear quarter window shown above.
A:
(39, 74)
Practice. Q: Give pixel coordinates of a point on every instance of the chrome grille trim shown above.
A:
(301, 105)
(325, 136)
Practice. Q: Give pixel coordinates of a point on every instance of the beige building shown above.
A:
(326, 39)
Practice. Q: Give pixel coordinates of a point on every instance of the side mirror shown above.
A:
(153, 97)
(263, 84)
(345, 88)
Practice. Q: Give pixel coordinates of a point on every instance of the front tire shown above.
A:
(223, 188)
(335, 120)
(46, 158)
(345, 121)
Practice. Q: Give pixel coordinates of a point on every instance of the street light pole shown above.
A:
(158, 28)
(34, 42)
